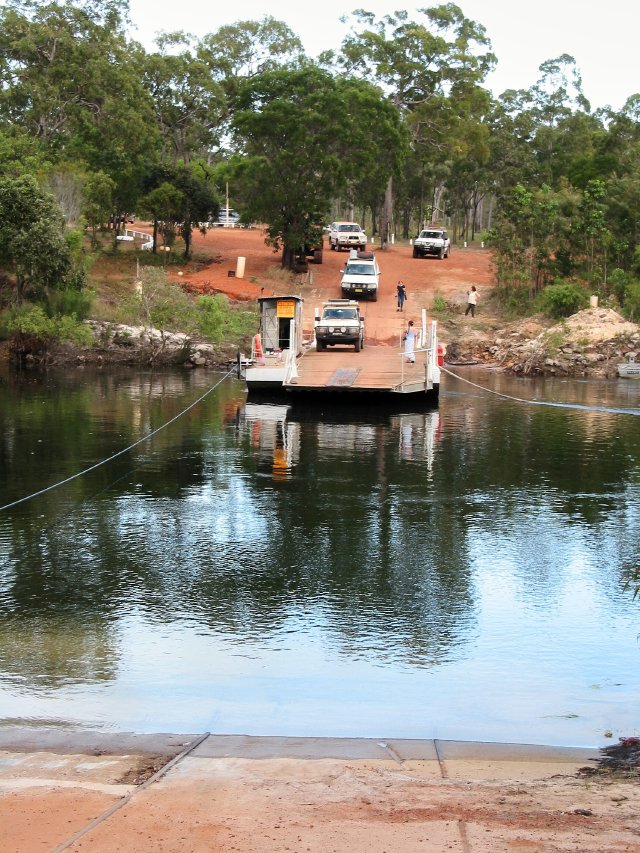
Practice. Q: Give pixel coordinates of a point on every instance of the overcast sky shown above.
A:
(601, 36)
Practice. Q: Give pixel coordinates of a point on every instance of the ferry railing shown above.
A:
(427, 338)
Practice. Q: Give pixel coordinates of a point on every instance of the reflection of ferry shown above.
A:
(282, 363)
(273, 436)
(277, 431)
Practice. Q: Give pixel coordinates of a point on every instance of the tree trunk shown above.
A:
(186, 233)
(385, 226)
(288, 257)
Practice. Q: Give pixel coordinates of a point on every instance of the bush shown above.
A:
(439, 304)
(514, 301)
(632, 301)
(562, 300)
(70, 301)
(31, 323)
(219, 321)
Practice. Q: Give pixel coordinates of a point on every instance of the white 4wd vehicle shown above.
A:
(347, 235)
(432, 241)
(340, 323)
(361, 276)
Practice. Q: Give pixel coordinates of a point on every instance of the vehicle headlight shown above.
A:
(331, 328)
(343, 329)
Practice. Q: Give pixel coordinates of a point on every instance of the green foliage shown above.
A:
(562, 300)
(306, 134)
(632, 301)
(71, 301)
(514, 301)
(31, 323)
(32, 240)
(159, 304)
(218, 321)
(439, 303)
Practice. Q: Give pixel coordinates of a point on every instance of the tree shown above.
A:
(98, 202)
(431, 69)
(189, 104)
(32, 240)
(306, 134)
(180, 198)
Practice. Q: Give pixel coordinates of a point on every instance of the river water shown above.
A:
(457, 573)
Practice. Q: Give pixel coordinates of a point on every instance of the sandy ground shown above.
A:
(294, 794)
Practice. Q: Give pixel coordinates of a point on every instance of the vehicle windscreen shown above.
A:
(359, 269)
(348, 227)
(340, 314)
(434, 235)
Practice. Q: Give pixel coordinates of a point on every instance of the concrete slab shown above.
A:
(248, 746)
(503, 761)
(481, 751)
(61, 741)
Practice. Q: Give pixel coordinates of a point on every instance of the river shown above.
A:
(457, 573)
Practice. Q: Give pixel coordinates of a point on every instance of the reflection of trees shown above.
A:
(368, 535)
(55, 652)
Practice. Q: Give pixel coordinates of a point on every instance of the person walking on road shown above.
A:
(472, 301)
(402, 295)
(410, 343)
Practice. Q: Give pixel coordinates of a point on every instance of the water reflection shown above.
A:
(441, 548)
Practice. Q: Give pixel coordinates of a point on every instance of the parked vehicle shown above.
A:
(432, 241)
(340, 322)
(227, 218)
(361, 276)
(346, 235)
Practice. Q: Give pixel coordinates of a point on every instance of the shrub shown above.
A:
(562, 300)
(30, 323)
(439, 303)
(70, 301)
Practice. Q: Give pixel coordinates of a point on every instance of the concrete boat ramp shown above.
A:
(85, 791)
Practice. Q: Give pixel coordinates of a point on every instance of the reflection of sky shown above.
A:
(473, 593)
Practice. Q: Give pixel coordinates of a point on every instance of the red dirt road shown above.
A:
(424, 277)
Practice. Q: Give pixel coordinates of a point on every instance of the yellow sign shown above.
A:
(286, 308)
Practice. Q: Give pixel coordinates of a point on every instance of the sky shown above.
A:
(601, 36)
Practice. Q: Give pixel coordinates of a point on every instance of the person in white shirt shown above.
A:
(472, 300)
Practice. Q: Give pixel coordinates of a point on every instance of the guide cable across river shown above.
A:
(580, 406)
(120, 452)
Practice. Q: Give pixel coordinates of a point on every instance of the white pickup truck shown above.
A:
(347, 235)
(361, 276)
(340, 322)
(432, 241)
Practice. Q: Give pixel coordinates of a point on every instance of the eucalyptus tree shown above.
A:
(178, 199)
(189, 104)
(302, 134)
(70, 78)
(431, 70)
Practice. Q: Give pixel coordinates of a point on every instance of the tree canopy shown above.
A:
(105, 127)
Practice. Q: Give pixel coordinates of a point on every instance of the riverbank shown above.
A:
(591, 343)
(71, 791)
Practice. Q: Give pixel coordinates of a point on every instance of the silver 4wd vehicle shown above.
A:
(432, 241)
(347, 235)
(361, 276)
(340, 322)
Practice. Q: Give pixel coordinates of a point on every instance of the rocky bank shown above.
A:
(590, 343)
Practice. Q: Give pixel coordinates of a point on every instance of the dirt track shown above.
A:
(423, 277)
